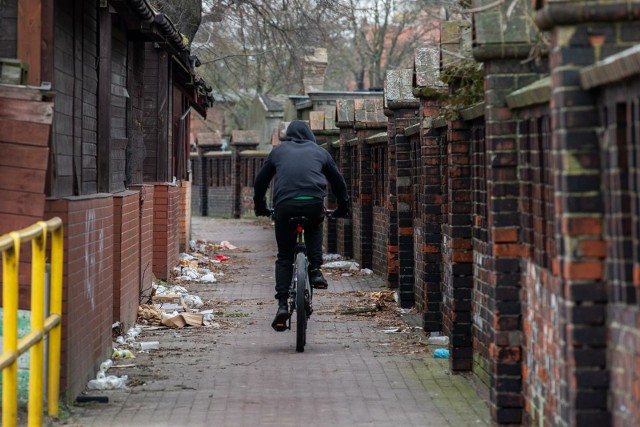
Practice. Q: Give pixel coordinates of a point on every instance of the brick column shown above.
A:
(457, 281)
(431, 200)
(497, 305)
(402, 108)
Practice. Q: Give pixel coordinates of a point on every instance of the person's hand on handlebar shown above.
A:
(260, 208)
(342, 212)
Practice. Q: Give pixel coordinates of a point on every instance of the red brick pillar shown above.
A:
(457, 253)
(402, 108)
(431, 195)
(498, 280)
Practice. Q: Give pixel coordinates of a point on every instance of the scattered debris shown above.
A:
(438, 340)
(122, 354)
(441, 353)
(351, 265)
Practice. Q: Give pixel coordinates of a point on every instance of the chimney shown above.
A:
(315, 67)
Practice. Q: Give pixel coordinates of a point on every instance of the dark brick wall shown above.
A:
(574, 120)
(380, 241)
(362, 217)
(619, 112)
(391, 204)
(433, 210)
(380, 212)
(344, 227)
(457, 254)
(542, 337)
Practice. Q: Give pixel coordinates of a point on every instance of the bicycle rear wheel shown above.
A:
(301, 308)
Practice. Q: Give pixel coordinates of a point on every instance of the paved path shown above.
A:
(245, 374)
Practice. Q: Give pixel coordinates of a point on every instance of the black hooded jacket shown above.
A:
(301, 168)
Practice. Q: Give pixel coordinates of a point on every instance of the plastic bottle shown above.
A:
(104, 366)
(438, 340)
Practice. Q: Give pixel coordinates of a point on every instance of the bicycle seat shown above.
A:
(298, 220)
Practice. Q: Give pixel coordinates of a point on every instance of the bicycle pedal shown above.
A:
(279, 327)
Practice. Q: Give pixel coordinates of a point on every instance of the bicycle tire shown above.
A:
(301, 309)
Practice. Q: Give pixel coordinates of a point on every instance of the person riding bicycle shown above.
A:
(301, 169)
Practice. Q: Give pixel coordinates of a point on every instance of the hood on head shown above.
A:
(299, 130)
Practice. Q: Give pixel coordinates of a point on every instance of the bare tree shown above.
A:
(258, 46)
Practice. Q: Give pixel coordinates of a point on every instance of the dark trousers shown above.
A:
(313, 210)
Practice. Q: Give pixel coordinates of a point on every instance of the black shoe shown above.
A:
(280, 321)
(317, 279)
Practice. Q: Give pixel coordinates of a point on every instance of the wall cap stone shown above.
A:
(378, 138)
(473, 112)
(536, 93)
(612, 69)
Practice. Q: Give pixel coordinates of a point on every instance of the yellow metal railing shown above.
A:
(34, 340)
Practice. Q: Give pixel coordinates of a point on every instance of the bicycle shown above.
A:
(300, 290)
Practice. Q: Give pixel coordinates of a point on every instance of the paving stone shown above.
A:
(350, 373)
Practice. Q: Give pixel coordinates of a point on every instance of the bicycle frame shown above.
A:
(300, 292)
(300, 247)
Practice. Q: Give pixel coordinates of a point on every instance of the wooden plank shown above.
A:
(29, 36)
(48, 49)
(19, 179)
(164, 111)
(22, 203)
(26, 111)
(30, 133)
(20, 92)
(10, 223)
(23, 156)
(104, 101)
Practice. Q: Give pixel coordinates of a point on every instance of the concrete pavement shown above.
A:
(354, 371)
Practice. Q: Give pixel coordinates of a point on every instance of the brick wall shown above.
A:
(166, 201)
(618, 109)
(87, 286)
(344, 226)
(145, 240)
(362, 212)
(184, 232)
(381, 226)
(126, 255)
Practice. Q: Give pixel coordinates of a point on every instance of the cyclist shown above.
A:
(301, 169)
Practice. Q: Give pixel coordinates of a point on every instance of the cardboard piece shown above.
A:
(184, 319)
